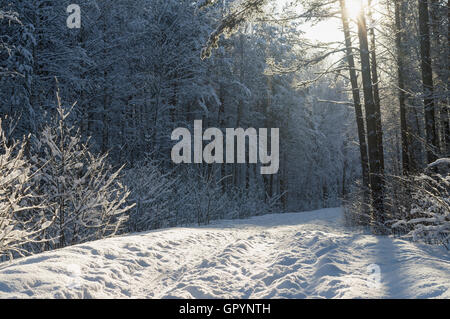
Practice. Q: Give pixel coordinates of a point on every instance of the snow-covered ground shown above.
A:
(304, 255)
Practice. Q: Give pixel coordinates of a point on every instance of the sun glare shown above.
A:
(354, 7)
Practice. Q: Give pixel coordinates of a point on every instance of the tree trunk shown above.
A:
(401, 87)
(427, 80)
(105, 115)
(446, 115)
(375, 153)
(356, 97)
(375, 83)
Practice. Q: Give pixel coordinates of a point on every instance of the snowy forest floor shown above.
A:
(302, 255)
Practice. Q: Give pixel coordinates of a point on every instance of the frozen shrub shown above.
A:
(20, 223)
(79, 188)
(151, 193)
(426, 216)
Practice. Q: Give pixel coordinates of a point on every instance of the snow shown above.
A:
(441, 161)
(298, 255)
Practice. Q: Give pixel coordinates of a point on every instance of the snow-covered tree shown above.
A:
(16, 68)
(21, 222)
(425, 215)
(80, 188)
(153, 197)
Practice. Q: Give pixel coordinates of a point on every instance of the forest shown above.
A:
(359, 90)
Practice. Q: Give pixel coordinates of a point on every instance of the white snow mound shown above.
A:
(303, 255)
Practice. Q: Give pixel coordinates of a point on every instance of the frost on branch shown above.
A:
(243, 11)
(151, 192)
(20, 223)
(81, 190)
(427, 217)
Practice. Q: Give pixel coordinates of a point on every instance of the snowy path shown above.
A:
(305, 255)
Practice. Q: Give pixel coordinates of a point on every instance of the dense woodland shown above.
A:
(87, 115)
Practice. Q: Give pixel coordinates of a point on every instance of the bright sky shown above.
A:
(331, 29)
(326, 31)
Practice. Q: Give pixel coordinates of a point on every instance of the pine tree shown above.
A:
(372, 117)
(356, 96)
(427, 81)
(401, 87)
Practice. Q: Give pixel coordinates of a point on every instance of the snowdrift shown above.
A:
(303, 255)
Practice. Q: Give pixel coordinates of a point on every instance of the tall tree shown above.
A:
(446, 113)
(401, 86)
(427, 82)
(375, 80)
(356, 95)
(375, 152)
